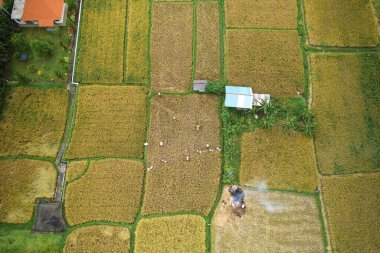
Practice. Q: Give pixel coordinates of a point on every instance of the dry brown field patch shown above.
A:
(33, 121)
(283, 160)
(261, 13)
(177, 184)
(22, 181)
(172, 46)
(101, 42)
(98, 239)
(208, 41)
(343, 142)
(273, 222)
(341, 23)
(109, 191)
(352, 205)
(172, 234)
(110, 121)
(272, 64)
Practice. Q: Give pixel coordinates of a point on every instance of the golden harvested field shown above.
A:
(110, 121)
(22, 181)
(98, 239)
(341, 23)
(75, 169)
(282, 160)
(34, 121)
(344, 142)
(272, 64)
(137, 59)
(208, 41)
(172, 46)
(352, 206)
(109, 191)
(180, 185)
(273, 222)
(261, 13)
(101, 42)
(180, 233)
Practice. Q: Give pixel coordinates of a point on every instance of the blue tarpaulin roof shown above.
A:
(239, 97)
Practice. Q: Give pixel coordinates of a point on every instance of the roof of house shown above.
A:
(239, 97)
(1, 2)
(200, 85)
(44, 11)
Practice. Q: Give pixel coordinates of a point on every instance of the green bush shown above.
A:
(214, 88)
(41, 48)
(21, 78)
(19, 43)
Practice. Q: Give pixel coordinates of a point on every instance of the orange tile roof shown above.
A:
(1, 2)
(44, 11)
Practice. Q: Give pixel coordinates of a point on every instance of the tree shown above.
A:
(41, 48)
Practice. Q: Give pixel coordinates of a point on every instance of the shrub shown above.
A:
(19, 43)
(214, 88)
(41, 48)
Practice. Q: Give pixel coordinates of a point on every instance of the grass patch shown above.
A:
(261, 14)
(109, 191)
(110, 121)
(98, 239)
(33, 121)
(24, 240)
(101, 42)
(75, 169)
(137, 62)
(208, 44)
(352, 208)
(272, 64)
(22, 182)
(180, 185)
(341, 23)
(348, 118)
(53, 68)
(273, 222)
(283, 160)
(172, 46)
(180, 233)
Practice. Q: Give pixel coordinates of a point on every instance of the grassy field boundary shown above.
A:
(37, 158)
(77, 42)
(260, 28)
(125, 42)
(71, 124)
(195, 29)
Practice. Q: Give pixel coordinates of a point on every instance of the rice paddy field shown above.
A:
(291, 165)
(275, 222)
(110, 190)
(331, 23)
(110, 121)
(171, 46)
(100, 52)
(352, 207)
(348, 118)
(261, 14)
(272, 65)
(23, 181)
(99, 238)
(181, 233)
(33, 121)
(139, 162)
(174, 183)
